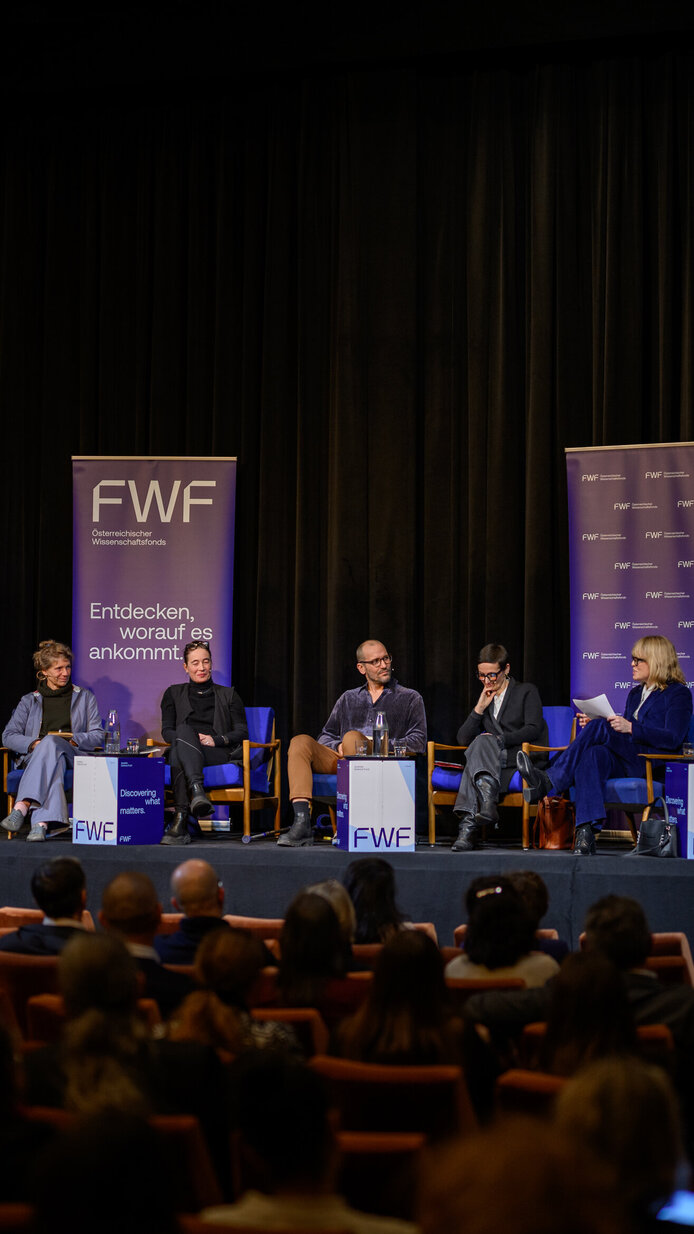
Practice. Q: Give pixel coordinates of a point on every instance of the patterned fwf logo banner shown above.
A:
(631, 542)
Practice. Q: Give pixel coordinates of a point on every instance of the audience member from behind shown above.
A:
(293, 1163)
(20, 1138)
(405, 1018)
(130, 908)
(197, 892)
(106, 1173)
(589, 1015)
(500, 937)
(533, 891)
(518, 1176)
(336, 895)
(106, 1060)
(312, 951)
(227, 964)
(59, 889)
(624, 1112)
(370, 882)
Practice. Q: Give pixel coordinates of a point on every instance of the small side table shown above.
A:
(375, 805)
(117, 799)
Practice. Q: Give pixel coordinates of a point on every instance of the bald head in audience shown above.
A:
(196, 890)
(129, 907)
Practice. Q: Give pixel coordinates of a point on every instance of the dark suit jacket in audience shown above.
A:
(38, 939)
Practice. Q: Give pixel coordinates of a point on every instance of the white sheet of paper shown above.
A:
(595, 707)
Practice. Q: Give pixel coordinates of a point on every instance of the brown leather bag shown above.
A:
(554, 823)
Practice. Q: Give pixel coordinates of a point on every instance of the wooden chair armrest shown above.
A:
(264, 745)
(439, 745)
(528, 748)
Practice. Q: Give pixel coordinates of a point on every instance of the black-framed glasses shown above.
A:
(191, 646)
(490, 676)
(385, 660)
(638, 660)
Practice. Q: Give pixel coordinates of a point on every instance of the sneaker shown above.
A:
(36, 832)
(14, 822)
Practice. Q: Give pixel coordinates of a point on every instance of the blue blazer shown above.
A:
(663, 720)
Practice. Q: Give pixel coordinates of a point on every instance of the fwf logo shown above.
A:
(153, 494)
(622, 565)
(591, 595)
(685, 625)
(623, 685)
(94, 832)
(590, 535)
(654, 535)
(654, 595)
(653, 475)
(686, 503)
(621, 505)
(685, 565)
(382, 837)
(591, 655)
(589, 477)
(622, 625)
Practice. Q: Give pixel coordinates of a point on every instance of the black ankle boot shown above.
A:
(300, 834)
(467, 835)
(488, 792)
(177, 831)
(584, 840)
(200, 804)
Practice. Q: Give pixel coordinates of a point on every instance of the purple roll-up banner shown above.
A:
(631, 545)
(153, 568)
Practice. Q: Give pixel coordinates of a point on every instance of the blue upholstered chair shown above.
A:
(635, 795)
(11, 776)
(443, 782)
(255, 781)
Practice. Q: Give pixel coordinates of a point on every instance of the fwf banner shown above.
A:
(153, 567)
(631, 543)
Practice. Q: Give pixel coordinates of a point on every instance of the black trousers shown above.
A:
(188, 759)
(482, 757)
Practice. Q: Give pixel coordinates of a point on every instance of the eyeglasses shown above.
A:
(191, 646)
(638, 660)
(490, 676)
(385, 660)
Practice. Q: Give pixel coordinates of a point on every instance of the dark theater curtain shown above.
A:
(396, 293)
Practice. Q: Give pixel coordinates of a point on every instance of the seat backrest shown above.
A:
(21, 976)
(262, 927)
(527, 1092)
(306, 1022)
(261, 727)
(559, 724)
(373, 1097)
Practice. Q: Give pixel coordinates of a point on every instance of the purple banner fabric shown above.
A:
(153, 566)
(631, 544)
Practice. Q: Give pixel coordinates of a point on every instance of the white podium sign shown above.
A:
(375, 805)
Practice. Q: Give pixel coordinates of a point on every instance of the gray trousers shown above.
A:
(482, 757)
(42, 779)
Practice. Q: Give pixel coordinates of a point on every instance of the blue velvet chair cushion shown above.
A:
(230, 775)
(14, 777)
(443, 778)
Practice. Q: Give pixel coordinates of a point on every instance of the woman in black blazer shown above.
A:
(205, 724)
(506, 714)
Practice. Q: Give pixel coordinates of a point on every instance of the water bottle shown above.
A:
(112, 743)
(380, 735)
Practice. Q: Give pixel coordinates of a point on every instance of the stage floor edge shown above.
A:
(261, 879)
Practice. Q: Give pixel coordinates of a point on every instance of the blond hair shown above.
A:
(661, 658)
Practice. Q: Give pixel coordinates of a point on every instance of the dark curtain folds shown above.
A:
(396, 294)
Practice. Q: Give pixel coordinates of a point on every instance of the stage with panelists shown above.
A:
(347, 706)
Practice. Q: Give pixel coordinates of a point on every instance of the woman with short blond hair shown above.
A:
(656, 718)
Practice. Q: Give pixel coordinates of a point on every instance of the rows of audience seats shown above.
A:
(293, 1064)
